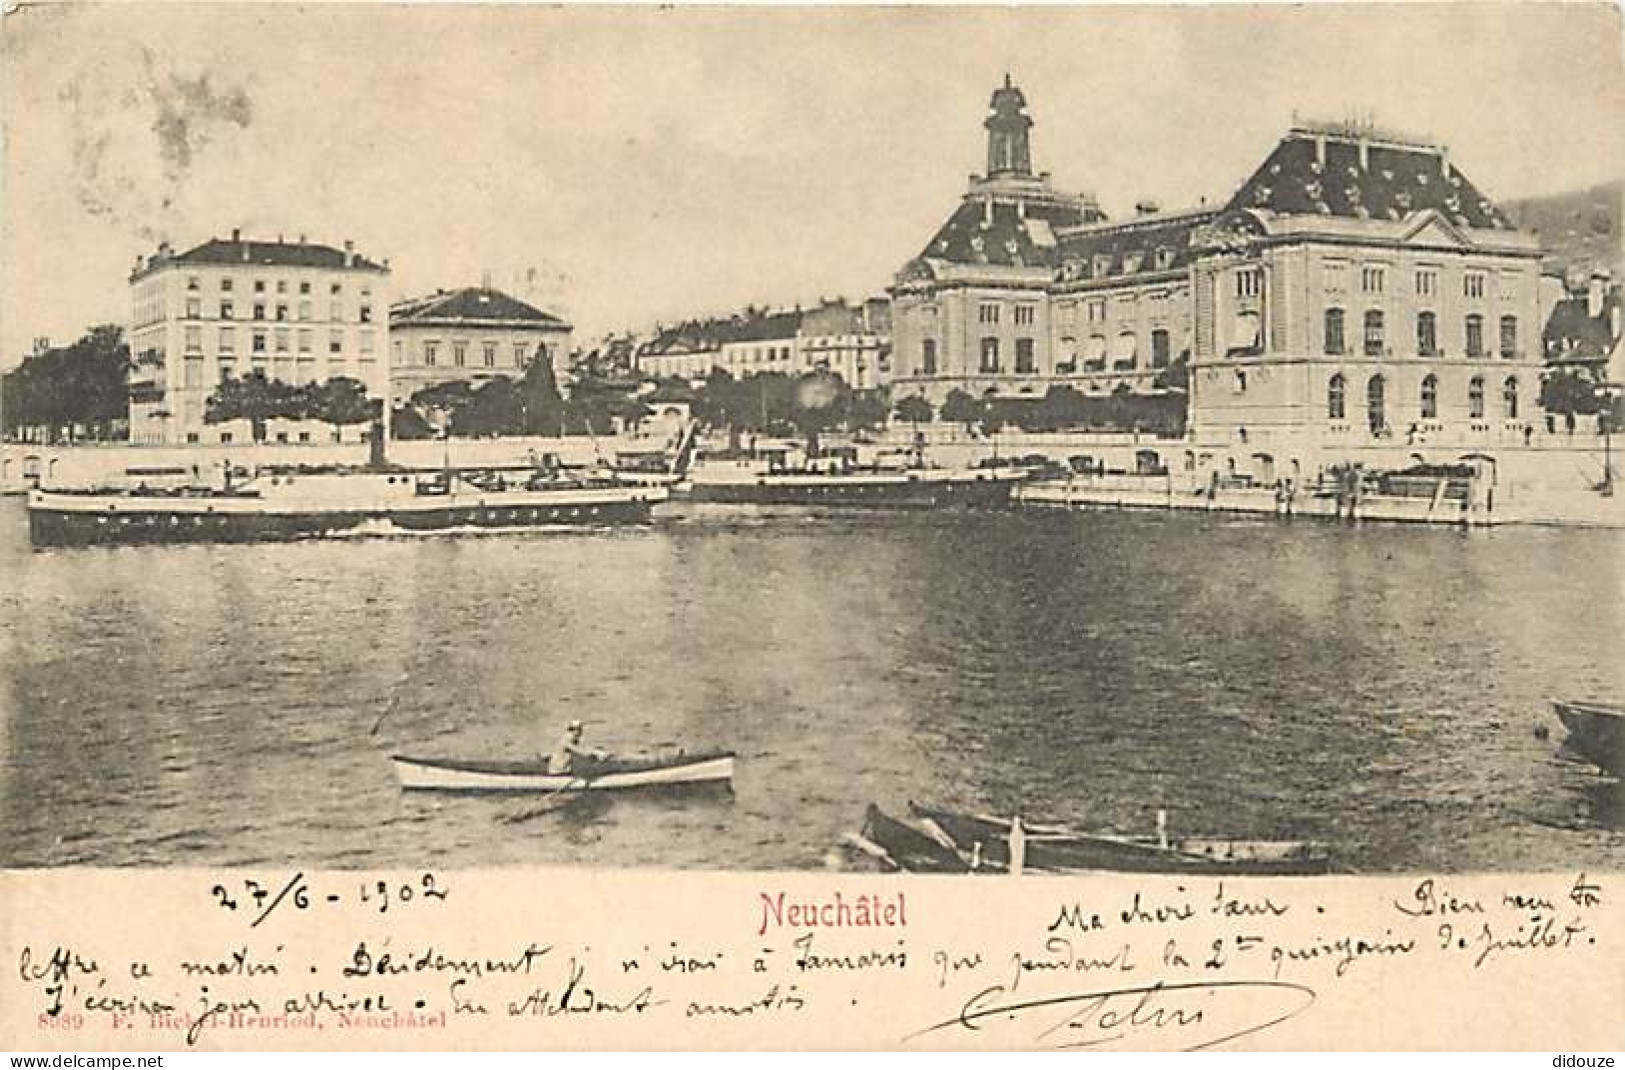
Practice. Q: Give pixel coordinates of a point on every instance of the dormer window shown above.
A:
(1102, 264)
(1165, 258)
(1132, 262)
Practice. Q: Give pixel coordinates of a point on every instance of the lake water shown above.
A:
(1375, 688)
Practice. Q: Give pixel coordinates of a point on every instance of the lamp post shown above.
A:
(1609, 392)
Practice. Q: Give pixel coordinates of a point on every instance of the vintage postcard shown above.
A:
(1087, 528)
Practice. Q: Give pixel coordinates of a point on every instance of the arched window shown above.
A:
(1336, 392)
(1427, 334)
(1094, 354)
(1374, 343)
(1475, 397)
(1509, 397)
(1124, 349)
(1334, 332)
(1067, 363)
(1509, 337)
(1376, 416)
(1430, 397)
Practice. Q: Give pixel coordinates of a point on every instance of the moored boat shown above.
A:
(1596, 732)
(943, 841)
(470, 775)
(314, 505)
(784, 476)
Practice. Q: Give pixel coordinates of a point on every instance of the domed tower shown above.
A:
(1008, 150)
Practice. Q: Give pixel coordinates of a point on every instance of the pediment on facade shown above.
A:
(1432, 229)
(1233, 231)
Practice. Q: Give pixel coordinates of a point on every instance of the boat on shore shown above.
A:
(274, 506)
(834, 477)
(1596, 732)
(611, 774)
(942, 841)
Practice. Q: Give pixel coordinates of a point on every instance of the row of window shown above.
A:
(227, 285)
(279, 312)
(1100, 265)
(989, 313)
(488, 353)
(1425, 281)
(282, 338)
(1094, 354)
(304, 371)
(1428, 407)
(1427, 334)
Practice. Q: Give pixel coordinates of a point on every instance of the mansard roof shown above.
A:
(1347, 171)
(262, 253)
(1006, 235)
(1145, 244)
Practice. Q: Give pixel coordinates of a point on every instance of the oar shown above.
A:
(394, 700)
(573, 784)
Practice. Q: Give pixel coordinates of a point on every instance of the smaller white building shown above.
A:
(473, 335)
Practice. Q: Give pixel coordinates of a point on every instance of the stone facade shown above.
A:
(1356, 290)
(472, 335)
(294, 311)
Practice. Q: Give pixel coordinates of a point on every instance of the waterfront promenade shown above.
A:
(1550, 479)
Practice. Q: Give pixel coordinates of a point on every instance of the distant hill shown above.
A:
(1579, 227)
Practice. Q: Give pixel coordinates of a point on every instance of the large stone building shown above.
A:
(1356, 290)
(853, 341)
(471, 335)
(294, 311)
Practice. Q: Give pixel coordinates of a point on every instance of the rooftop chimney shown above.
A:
(349, 253)
(1320, 150)
(1596, 290)
(279, 237)
(1365, 154)
(236, 234)
(301, 239)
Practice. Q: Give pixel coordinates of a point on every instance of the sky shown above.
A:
(628, 166)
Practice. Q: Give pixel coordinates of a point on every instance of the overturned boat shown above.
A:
(1596, 732)
(942, 841)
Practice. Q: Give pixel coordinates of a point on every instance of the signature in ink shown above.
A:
(1188, 1015)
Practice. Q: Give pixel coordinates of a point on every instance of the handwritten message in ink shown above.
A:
(294, 960)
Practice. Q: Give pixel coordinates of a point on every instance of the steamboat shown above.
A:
(283, 505)
(834, 477)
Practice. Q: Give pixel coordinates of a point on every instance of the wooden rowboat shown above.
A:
(940, 841)
(1054, 847)
(448, 774)
(1596, 732)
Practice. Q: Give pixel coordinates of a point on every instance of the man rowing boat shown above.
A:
(569, 756)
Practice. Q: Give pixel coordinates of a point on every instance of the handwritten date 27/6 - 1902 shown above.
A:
(259, 900)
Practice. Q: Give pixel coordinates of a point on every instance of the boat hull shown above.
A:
(883, 489)
(938, 841)
(428, 774)
(1052, 848)
(72, 519)
(1596, 733)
